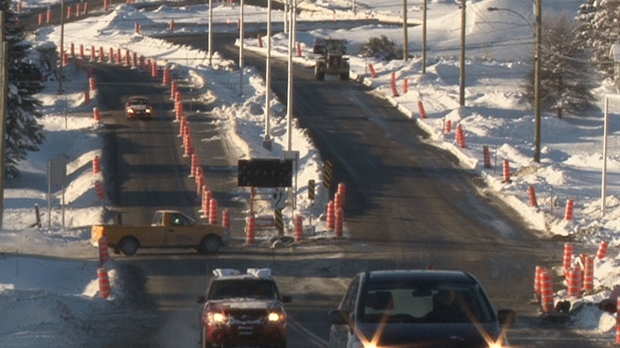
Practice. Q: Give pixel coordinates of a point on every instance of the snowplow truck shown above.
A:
(331, 60)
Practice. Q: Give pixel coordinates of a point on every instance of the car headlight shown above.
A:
(148, 111)
(130, 111)
(216, 317)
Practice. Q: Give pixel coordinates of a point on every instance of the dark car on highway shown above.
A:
(417, 308)
(243, 310)
(138, 106)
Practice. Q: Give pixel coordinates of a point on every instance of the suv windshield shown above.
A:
(431, 303)
(263, 289)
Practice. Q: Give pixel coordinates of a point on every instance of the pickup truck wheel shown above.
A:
(128, 246)
(210, 244)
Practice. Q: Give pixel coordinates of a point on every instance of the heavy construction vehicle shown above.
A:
(331, 60)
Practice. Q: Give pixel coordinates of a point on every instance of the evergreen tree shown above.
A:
(600, 30)
(23, 132)
(565, 77)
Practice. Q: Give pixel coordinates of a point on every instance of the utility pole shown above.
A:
(210, 43)
(537, 78)
(241, 50)
(424, 38)
(405, 33)
(462, 85)
(62, 47)
(289, 101)
(267, 137)
(4, 81)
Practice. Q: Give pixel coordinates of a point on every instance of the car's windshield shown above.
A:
(430, 303)
(138, 101)
(263, 289)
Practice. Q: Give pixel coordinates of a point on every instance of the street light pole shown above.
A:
(537, 71)
(405, 33)
(462, 84)
(537, 78)
(424, 39)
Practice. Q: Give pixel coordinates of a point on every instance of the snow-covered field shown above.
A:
(36, 307)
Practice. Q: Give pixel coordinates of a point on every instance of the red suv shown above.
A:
(243, 310)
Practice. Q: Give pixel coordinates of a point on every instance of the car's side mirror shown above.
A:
(287, 299)
(338, 317)
(506, 316)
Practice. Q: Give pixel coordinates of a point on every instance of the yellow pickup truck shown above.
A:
(169, 229)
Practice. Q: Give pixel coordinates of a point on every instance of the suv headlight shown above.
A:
(216, 317)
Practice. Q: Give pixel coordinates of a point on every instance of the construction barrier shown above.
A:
(568, 213)
(448, 127)
(298, 49)
(200, 180)
(104, 251)
(537, 283)
(339, 222)
(41, 18)
(250, 225)
(111, 56)
(421, 109)
(49, 15)
(460, 136)
(104, 283)
(171, 27)
(532, 193)
(101, 54)
(588, 273)
(486, 156)
(179, 109)
(206, 198)
(92, 83)
(568, 257)
(86, 97)
(338, 200)
(69, 12)
(100, 191)
(618, 321)
(226, 219)
(373, 73)
(546, 291)
(96, 114)
(260, 41)
(193, 165)
(405, 86)
(393, 84)
(299, 228)
(119, 56)
(154, 72)
(187, 144)
(81, 51)
(96, 165)
(85, 10)
(173, 88)
(166, 76)
(342, 190)
(506, 171)
(330, 216)
(574, 280)
(127, 58)
(602, 250)
(213, 211)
